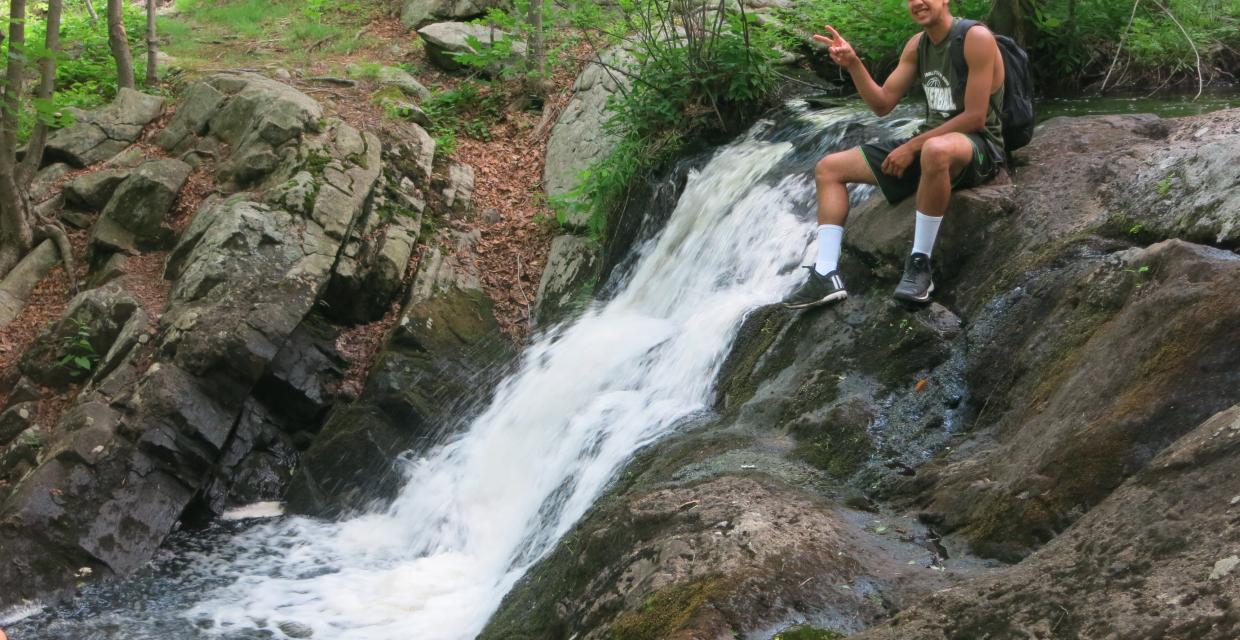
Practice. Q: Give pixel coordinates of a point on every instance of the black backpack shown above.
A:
(1018, 114)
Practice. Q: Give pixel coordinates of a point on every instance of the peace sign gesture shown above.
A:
(841, 52)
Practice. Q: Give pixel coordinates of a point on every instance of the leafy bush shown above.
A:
(470, 109)
(85, 70)
(700, 70)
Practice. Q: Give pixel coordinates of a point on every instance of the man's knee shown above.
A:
(828, 169)
(936, 155)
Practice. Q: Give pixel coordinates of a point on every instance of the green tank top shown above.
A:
(944, 90)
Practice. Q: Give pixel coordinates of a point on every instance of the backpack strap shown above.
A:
(956, 50)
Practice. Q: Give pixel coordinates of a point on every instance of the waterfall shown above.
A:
(478, 510)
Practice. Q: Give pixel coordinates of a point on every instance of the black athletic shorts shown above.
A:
(984, 167)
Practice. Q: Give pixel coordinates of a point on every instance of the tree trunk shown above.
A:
(47, 86)
(16, 234)
(1014, 18)
(152, 48)
(536, 81)
(90, 8)
(119, 43)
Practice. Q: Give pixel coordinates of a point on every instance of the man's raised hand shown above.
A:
(841, 52)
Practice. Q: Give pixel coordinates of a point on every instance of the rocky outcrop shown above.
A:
(445, 40)
(163, 417)
(1056, 409)
(135, 214)
(98, 323)
(99, 135)
(434, 365)
(579, 138)
(415, 13)
(1157, 558)
(567, 282)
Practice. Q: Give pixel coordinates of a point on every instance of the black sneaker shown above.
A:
(916, 285)
(818, 290)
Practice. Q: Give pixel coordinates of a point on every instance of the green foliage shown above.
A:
(471, 109)
(877, 29)
(713, 79)
(85, 70)
(1078, 39)
(79, 356)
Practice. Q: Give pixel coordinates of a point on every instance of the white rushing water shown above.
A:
(481, 508)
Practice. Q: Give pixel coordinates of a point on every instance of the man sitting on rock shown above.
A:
(960, 145)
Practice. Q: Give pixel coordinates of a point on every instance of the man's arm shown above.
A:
(980, 54)
(881, 100)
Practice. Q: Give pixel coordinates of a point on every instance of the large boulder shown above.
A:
(445, 40)
(93, 190)
(19, 283)
(141, 203)
(415, 13)
(101, 134)
(258, 119)
(1157, 558)
(579, 138)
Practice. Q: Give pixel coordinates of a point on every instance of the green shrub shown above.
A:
(85, 70)
(714, 79)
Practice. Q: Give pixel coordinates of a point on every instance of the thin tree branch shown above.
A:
(1201, 85)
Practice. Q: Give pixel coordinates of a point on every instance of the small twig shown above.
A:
(1201, 85)
(1123, 37)
(521, 288)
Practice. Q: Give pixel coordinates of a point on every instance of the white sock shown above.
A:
(830, 237)
(926, 231)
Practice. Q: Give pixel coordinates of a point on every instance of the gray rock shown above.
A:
(198, 105)
(578, 139)
(16, 419)
(141, 203)
(106, 236)
(44, 183)
(566, 285)
(101, 134)
(112, 267)
(87, 329)
(415, 13)
(24, 391)
(446, 39)
(296, 630)
(1181, 187)
(76, 219)
(411, 150)
(21, 280)
(392, 77)
(457, 190)
(92, 191)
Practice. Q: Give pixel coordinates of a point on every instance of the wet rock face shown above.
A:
(1054, 407)
(1149, 561)
(434, 366)
(567, 282)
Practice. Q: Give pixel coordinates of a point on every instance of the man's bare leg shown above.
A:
(832, 174)
(943, 158)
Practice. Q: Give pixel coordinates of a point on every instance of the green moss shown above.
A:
(316, 163)
(896, 346)
(838, 445)
(806, 632)
(738, 378)
(667, 610)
